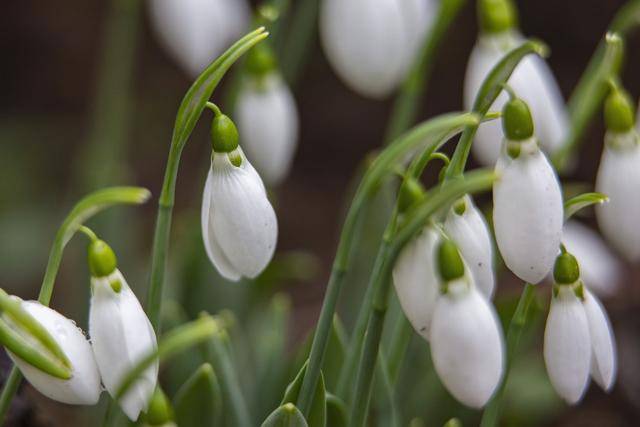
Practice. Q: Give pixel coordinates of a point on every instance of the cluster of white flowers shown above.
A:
(120, 336)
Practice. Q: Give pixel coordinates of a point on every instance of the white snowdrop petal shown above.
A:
(470, 232)
(527, 212)
(619, 178)
(416, 281)
(467, 345)
(603, 365)
(121, 336)
(599, 268)
(241, 218)
(267, 119)
(567, 346)
(195, 32)
(83, 388)
(532, 81)
(369, 42)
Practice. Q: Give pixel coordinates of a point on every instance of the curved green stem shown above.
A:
(518, 322)
(432, 130)
(405, 106)
(189, 112)
(81, 212)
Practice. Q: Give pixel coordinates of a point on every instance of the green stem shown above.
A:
(428, 133)
(298, 39)
(405, 106)
(81, 212)
(517, 325)
(188, 114)
(402, 333)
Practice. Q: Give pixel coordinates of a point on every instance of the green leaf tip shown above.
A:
(581, 201)
(160, 411)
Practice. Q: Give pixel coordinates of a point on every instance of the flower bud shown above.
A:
(527, 212)
(372, 43)
(466, 226)
(121, 336)
(195, 32)
(619, 178)
(268, 121)
(239, 225)
(83, 385)
(618, 111)
(467, 344)
(497, 16)
(567, 345)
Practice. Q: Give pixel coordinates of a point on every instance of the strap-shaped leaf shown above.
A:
(582, 201)
(199, 401)
(286, 415)
(318, 412)
(336, 411)
(335, 356)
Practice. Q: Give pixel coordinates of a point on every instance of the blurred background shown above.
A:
(55, 148)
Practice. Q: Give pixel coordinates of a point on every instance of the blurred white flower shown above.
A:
(469, 230)
(599, 267)
(121, 336)
(239, 225)
(603, 347)
(567, 345)
(467, 345)
(532, 81)
(267, 119)
(195, 32)
(83, 388)
(527, 211)
(416, 280)
(372, 43)
(619, 178)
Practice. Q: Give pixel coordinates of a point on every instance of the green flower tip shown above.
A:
(450, 263)
(411, 192)
(224, 135)
(160, 412)
(102, 259)
(517, 122)
(619, 114)
(496, 16)
(261, 60)
(566, 270)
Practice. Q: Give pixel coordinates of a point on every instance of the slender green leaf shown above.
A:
(318, 412)
(582, 201)
(336, 352)
(286, 415)
(199, 400)
(336, 411)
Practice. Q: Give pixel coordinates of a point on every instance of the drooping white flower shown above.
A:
(371, 43)
(83, 388)
(239, 225)
(466, 226)
(619, 178)
(567, 345)
(599, 267)
(195, 32)
(527, 211)
(603, 347)
(416, 281)
(267, 119)
(467, 345)
(121, 336)
(532, 80)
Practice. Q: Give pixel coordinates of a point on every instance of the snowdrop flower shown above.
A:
(121, 334)
(532, 80)
(267, 117)
(599, 267)
(466, 226)
(416, 281)
(195, 32)
(619, 177)
(578, 340)
(371, 43)
(82, 387)
(527, 201)
(239, 225)
(467, 344)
